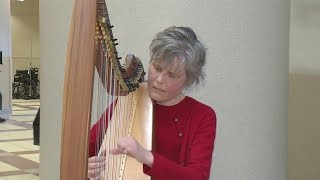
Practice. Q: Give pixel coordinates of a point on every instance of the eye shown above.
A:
(157, 67)
(172, 75)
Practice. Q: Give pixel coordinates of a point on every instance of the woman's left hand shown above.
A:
(129, 146)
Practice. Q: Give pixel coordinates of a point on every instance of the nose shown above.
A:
(160, 78)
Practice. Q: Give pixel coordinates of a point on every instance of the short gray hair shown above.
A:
(180, 43)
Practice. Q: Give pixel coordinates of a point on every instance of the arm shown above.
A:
(96, 163)
(95, 131)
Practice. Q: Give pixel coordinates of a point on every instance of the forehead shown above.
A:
(172, 65)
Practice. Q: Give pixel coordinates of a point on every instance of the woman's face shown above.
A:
(165, 83)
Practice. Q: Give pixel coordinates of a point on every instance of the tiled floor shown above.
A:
(19, 158)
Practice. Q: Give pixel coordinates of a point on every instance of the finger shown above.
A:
(123, 142)
(96, 159)
(102, 152)
(126, 151)
(95, 165)
(95, 172)
(116, 151)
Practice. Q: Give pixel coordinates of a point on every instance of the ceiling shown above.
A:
(298, 7)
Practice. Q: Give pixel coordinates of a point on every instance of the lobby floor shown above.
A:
(19, 158)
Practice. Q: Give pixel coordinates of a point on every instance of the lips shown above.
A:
(157, 89)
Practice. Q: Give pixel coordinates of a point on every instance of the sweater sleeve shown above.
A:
(96, 130)
(198, 157)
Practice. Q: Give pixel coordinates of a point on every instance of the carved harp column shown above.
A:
(91, 44)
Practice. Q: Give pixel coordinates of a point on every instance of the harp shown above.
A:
(91, 46)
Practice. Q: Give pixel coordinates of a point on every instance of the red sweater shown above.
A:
(185, 135)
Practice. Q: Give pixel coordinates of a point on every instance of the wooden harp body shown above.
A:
(91, 45)
(139, 125)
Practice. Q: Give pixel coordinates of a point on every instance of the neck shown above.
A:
(173, 101)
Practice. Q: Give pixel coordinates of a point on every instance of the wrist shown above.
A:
(148, 158)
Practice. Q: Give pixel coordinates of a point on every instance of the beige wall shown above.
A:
(25, 42)
(53, 55)
(252, 136)
(304, 97)
(25, 35)
(304, 93)
(19, 41)
(304, 108)
(5, 46)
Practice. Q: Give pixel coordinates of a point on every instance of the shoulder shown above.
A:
(199, 107)
(202, 119)
(200, 112)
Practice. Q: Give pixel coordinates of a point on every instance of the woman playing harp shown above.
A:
(184, 128)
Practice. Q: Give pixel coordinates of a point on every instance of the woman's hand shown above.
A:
(129, 146)
(96, 164)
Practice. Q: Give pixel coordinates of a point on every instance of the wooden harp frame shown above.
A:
(77, 96)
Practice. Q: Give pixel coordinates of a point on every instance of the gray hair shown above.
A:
(180, 43)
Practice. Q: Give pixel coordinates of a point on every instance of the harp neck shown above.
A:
(129, 75)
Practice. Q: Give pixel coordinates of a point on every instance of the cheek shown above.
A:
(151, 78)
(175, 88)
(150, 75)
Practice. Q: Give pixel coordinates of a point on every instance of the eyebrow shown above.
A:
(177, 71)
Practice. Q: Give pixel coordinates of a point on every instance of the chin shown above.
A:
(155, 96)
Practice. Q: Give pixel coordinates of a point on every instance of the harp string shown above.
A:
(118, 81)
(115, 125)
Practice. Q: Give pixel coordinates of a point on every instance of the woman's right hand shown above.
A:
(96, 164)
